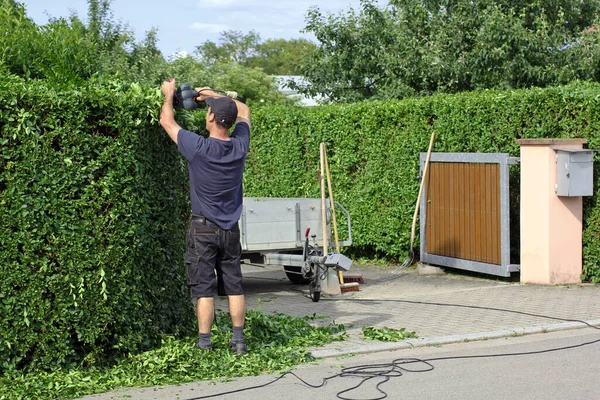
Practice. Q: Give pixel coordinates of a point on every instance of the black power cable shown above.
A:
(397, 367)
(467, 306)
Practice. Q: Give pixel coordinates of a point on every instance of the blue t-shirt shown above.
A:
(216, 168)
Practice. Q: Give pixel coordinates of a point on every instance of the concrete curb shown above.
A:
(470, 337)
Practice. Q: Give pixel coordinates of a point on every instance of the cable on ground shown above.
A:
(398, 367)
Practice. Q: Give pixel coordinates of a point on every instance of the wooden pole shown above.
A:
(331, 200)
(323, 209)
(335, 230)
(412, 233)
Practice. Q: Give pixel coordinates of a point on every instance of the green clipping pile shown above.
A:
(386, 334)
(275, 342)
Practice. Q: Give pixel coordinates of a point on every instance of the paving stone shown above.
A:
(432, 306)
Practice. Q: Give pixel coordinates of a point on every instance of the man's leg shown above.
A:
(202, 250)
(232, 284)
(206, 314)
(237, 310)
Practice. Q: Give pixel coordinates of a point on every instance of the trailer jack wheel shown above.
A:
(315, 284)
(315, 295)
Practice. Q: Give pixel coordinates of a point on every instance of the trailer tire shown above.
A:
(315, 296)
(294, 275)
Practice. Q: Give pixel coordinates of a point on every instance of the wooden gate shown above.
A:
(465, 220)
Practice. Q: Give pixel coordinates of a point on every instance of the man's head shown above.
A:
(224, 109)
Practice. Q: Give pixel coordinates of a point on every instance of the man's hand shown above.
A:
(204, 93)
(243, 110)
(167, 115)
(168, 87)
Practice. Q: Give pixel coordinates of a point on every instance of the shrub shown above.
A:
(373, 151)
(94, 197)
(93, 205)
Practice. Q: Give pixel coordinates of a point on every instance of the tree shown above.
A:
(273, 56)
(280, 56)
(253, 85)
(59, 50)
(101, 27)
(65, 49)
(234, 46)
(421, 47)
(11, 6)
(68, 51)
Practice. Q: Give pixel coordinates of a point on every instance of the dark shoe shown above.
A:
(207, 348)
(238, 347)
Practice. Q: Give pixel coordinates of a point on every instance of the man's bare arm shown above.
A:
(167, 115)
(243, 110)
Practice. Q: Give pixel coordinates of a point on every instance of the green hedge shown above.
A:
(93, 197)
(373, 151)
(93, 202)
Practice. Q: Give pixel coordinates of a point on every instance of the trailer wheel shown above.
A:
(294, 274)
(315, 296)
(315, 284)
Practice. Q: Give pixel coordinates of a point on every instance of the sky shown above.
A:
(184, 24)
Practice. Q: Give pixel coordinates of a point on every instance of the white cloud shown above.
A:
(268, 6)
(211, 28)
(216, 3)
(178, 55)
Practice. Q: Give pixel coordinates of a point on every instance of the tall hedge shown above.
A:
(92, 207)
(373, 151)
(93, 197)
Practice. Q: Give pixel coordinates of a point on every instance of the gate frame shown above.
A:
(505, 267)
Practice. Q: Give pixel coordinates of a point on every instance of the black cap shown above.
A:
(225, 110)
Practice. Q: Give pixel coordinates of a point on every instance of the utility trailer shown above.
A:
(288, 232)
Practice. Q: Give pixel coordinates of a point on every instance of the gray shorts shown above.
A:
(212, 259)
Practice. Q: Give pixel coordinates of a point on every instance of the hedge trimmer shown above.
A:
(186, 96)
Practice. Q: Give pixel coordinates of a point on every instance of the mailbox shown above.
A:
(574, 172)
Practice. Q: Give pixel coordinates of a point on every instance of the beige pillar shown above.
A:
(551, 225)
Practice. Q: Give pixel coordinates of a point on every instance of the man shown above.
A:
(216, 165)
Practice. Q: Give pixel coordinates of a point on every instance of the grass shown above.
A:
(276, 343)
